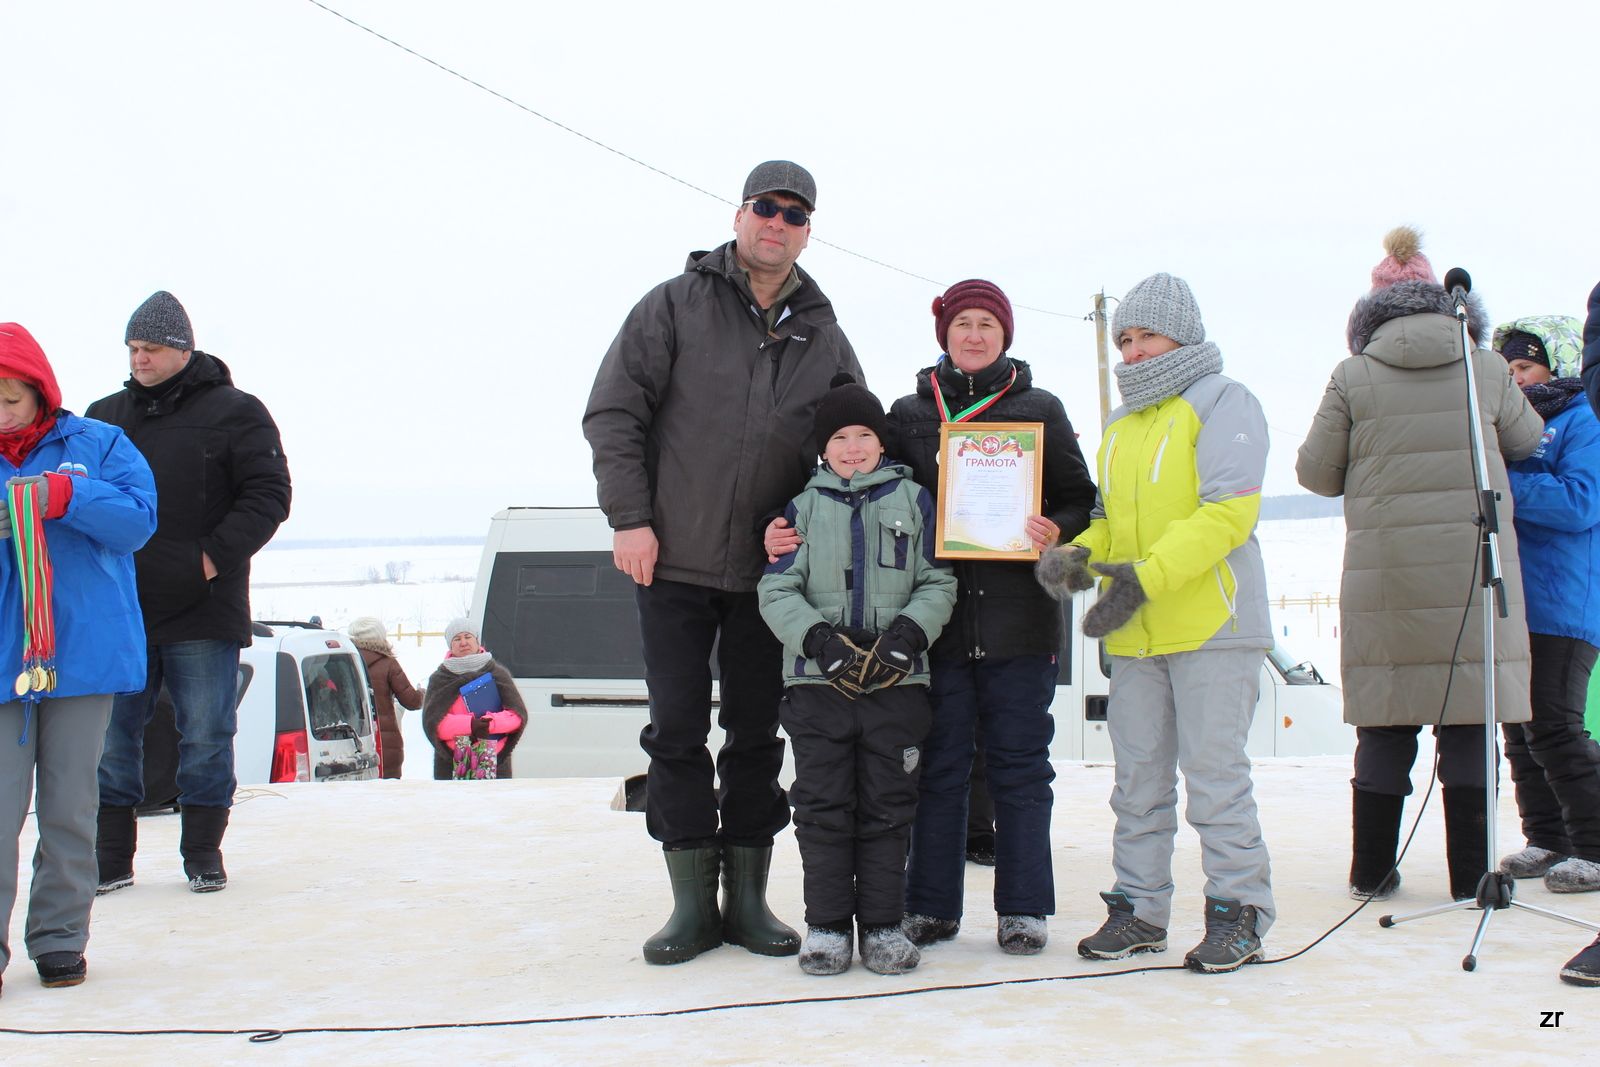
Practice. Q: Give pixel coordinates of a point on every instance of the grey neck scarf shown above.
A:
(1150, 382)
(467, 664)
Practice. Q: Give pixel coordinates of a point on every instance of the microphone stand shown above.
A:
(1496, 891)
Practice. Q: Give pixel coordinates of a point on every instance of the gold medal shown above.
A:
(24, 683)
(38, 678)
(50, 679)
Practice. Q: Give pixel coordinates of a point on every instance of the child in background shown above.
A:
(469, 745)
(856, 607)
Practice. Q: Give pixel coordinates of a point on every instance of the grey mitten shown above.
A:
(1064, 571)
(1117, 602)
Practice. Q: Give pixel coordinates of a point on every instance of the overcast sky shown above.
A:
(419, 279)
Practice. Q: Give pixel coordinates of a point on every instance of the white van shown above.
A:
(562, 619)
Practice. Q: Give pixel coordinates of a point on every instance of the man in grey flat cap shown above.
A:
(701, 424)
(222, 489)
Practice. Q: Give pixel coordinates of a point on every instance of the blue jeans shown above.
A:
(202, 677)
(1009, 700)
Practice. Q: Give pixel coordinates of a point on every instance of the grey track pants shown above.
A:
(62, 748)
(1188, 710)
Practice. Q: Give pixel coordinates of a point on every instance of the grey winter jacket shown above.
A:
(1391, 436)
(865, 558)
(701, 421)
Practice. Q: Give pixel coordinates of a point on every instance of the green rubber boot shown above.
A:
(695, 925)
(746, 919)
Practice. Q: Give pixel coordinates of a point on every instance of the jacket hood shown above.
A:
(1410, 298)
(807, 298)
(23, 359)
(824, 478)
(1559, 334)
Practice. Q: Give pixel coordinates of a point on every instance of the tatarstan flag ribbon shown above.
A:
(37, 578)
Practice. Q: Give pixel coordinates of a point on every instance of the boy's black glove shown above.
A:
(1117, 602)
(1064, 571)
(480, 727)
(893, 654)
(839, 657)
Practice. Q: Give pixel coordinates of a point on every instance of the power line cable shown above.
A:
(635, 159)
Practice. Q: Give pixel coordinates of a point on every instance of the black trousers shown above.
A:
(690, 804)
(1555, 764)
(856, 766)
(1384, 755)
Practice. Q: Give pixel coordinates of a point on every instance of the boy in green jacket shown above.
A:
(856, 607)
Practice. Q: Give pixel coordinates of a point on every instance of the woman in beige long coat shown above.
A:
(1391, 437)
(390, 686)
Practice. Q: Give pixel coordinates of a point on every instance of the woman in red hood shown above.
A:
(96, 506)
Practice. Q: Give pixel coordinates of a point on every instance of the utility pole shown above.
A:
(1102, 355)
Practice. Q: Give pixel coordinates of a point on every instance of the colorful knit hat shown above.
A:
(1404, 261)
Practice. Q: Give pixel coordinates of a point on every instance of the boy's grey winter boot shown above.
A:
(1230, 940)
(1122, 934)
(746, 919)
(1022, 935)
(924, 930)
(1573, 875)
(1584, 968)
(695, 925)
(887, 950)
(1374, 841)
(1531, 862)
(826, 950)
(200, 844)
(115, 837)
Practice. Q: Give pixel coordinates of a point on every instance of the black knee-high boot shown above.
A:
(1465, 847)
(1374, 839)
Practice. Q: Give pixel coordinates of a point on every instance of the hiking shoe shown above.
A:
(825, 951)
(1021, 935)
(1230, 940)
(924, 930)
(1584, 968)
(114, 883)
(980, 849)
(1122, 934)
(1573, 875)
(207, 879)
(887, 950)
(57, 969)
(1531, 862)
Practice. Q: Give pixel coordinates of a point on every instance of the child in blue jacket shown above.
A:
(856, 607)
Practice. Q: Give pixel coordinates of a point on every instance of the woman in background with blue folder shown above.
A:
(472, 712)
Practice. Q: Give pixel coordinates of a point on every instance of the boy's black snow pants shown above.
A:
(856, 763)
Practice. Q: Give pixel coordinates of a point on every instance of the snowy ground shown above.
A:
(399, 904)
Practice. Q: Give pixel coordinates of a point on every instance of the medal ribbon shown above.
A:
(976, 409)
(36, 577)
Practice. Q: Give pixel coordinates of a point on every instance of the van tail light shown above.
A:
(291, 758)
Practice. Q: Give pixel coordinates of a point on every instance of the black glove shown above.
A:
(839, 657)
(1117, 602)
(1064, 571)
(480, 727)
(893, 654)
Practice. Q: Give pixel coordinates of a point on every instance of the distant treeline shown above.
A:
(1301, 506)
(368, 542)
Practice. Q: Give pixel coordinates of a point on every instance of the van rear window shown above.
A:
(562, 615)
(334, 685)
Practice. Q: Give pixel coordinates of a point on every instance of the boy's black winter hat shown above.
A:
(847, 404)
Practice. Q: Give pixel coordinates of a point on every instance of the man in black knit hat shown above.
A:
(222, 489)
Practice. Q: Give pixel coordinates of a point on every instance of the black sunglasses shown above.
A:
(771, 209)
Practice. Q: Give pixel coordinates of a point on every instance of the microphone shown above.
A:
(1458, 283)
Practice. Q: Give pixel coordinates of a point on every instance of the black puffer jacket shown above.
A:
(222, 488)
(1001, 611)
(701, 421)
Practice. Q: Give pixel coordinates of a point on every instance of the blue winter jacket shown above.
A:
(1556, 509)
(99, 632)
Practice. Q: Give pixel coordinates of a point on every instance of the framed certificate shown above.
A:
(991, 478)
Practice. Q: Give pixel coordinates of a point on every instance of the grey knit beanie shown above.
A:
(462, 625)
(1161, 304)
(161, 319)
